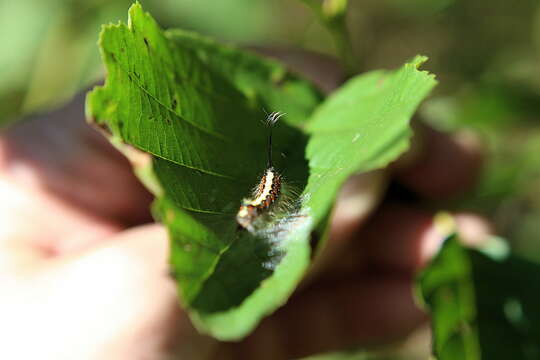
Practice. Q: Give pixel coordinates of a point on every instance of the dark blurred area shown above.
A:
(485, 55)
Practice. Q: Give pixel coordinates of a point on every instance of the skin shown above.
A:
(84, 271)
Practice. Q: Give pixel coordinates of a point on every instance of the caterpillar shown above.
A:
(268, 191)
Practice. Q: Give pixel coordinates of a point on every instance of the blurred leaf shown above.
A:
(194, 106)
(222, 18)
(484, 303)
(345, 355)
(51, 54)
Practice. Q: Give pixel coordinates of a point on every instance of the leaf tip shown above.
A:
(417, 62)
(135, 8)
(136, 13)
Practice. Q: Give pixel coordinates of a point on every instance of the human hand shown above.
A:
(82, 281)
(79, 280)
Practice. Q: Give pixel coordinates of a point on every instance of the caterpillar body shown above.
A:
(268, 190)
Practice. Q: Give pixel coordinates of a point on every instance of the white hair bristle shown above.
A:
(273, 118)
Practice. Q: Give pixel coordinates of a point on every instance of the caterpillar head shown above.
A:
(246, 214)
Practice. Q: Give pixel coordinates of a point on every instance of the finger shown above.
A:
(146, 247)
(399, 237)
(133, 302)
(128, 267)
(356, 200)
(63, 156)
(35, 226)
(335, 316)
(402, 238)
(474, 230)
(440, 165)
(396, 237)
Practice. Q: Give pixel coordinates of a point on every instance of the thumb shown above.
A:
(112, 301)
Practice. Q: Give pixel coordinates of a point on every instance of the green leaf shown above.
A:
(484, 304)
(194, 106)
(345, 355)
(362, 127)
(355, 354)
(60, 29)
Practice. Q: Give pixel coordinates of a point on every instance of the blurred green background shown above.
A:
(485, 55)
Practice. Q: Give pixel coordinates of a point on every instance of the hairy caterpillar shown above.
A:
(269, 189)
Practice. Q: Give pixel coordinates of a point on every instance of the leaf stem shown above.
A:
(332, 15)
